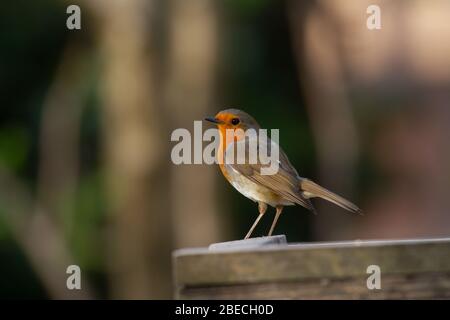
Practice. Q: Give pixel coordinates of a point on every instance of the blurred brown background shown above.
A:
(85, 170)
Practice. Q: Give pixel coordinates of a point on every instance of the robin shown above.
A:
(283, 188)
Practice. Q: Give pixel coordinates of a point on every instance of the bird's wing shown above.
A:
(285, 182)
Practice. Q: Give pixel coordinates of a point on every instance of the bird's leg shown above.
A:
(277, 215)
(262, 207)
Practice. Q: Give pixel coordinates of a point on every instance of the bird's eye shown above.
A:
(235, 121)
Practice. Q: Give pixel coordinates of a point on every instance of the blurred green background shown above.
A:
(85, 170)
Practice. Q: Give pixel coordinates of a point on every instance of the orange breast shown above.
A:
(221, 153)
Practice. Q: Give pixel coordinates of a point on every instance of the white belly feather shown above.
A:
(252, 190)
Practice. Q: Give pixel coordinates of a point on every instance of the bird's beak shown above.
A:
(213, 120)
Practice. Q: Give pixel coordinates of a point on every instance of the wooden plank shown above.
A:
(288, 266)
(394, 286)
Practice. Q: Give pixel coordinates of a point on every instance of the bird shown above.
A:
(283, 188)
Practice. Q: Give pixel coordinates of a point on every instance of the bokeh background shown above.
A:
(86, 117)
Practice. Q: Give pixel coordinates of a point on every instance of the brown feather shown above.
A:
(312, 190)
(284, 183)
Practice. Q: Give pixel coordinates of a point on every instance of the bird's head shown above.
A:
(233, 119)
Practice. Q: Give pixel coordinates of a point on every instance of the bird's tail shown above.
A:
(313, 190)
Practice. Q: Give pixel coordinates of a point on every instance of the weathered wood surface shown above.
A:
(336, 270)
